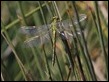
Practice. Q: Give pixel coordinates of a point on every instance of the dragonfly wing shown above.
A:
(68, 35)
(66, 24)
(82, 17)
(32, 30)
(28, 30)
(37, 41)
(35, 36)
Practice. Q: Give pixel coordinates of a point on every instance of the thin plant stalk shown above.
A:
(85, 48)
(23, 69)
(101, 37)
(48, 67)
(18, 20)
(22, 13)
(2, 77)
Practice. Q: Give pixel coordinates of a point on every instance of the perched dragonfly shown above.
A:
(36, 36)
(41, 35)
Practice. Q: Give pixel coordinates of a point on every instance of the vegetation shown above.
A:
(77, 57)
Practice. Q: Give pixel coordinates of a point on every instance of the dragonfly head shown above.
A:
(56, 18)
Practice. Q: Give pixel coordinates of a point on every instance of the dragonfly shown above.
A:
(42, 34)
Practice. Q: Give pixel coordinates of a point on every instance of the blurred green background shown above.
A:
(35, 64)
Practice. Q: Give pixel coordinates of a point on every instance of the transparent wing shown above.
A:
(32, 30)
(37, 40)
(68, 22)
(37, 36)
